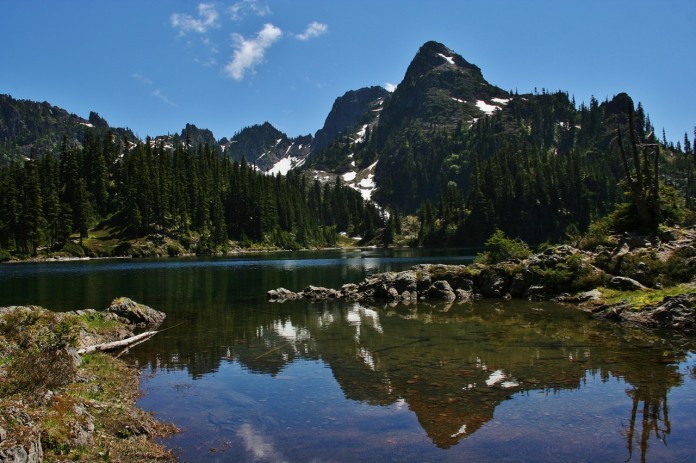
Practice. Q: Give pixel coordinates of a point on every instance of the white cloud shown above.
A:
(314, 29)
(245, 7)
(250, 52)
(390, 87)
(156, 92)
(207, 19)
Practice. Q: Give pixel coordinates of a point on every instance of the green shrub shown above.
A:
(598, 234)
(122, 249)
(680, 267)
(5, 255)
(73, 249)
(500, 248)
(173, 250)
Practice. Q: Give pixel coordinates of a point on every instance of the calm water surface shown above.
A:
(249, 380)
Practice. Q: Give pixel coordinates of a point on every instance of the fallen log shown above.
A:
(107, 346)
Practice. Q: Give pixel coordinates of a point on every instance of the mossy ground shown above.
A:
(82, 412)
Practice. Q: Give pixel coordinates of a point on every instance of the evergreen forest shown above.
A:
(190, 199)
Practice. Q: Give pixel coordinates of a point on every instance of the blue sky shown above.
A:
(154, 66)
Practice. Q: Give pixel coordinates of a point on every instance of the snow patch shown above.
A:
(278, 141)
(87, 124)
(457, 100)
(486, 108)
(360, 136)
(367, 182)
(500, 100)
(449, 59)
(349, 176)
(285, 165)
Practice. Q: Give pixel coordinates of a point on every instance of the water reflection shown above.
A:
(450, 365)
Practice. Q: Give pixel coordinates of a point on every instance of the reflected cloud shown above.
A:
(259, 445)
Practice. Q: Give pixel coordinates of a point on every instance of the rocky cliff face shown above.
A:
(269, 149)
(349, 114)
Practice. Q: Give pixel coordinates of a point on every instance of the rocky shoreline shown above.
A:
(57, 404)
(563, 273)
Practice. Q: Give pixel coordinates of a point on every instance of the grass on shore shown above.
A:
(640, 299)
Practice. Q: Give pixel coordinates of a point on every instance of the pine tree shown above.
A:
(82, 210)
(31, 223)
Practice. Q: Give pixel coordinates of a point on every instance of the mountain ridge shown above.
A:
(465, 154)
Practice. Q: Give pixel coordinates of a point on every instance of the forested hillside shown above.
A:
(29, 129)
(538, 169)
(192, 198)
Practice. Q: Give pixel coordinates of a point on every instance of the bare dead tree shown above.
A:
(643, 179)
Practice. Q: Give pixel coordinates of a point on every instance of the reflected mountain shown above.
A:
(452, 365)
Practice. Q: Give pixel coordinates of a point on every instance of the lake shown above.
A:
(248, 380)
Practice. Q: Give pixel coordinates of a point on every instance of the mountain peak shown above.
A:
(436, 57)
(440, 88)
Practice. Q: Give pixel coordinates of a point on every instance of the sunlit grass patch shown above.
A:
(642, 298)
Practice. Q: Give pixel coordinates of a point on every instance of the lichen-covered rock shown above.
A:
(625, 284)
(406, 281)
(136, 314)
(441, 290)
(348, 289)
(464, 296)
(25, 447)
(320, 293)
(393, 294)
(282, 294)
(674, 312)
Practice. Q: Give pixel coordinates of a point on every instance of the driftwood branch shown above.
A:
(116, 344)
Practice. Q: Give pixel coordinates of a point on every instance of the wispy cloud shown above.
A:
(390, 87)
(250, 52)
(156, 92)
(314, 29)
(243, 8)
(207, 19)
(142, 78)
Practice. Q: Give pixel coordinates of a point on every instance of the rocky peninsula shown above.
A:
(633, 279)
(62, 399)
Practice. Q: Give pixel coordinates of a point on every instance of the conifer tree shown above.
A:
(31, 221)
